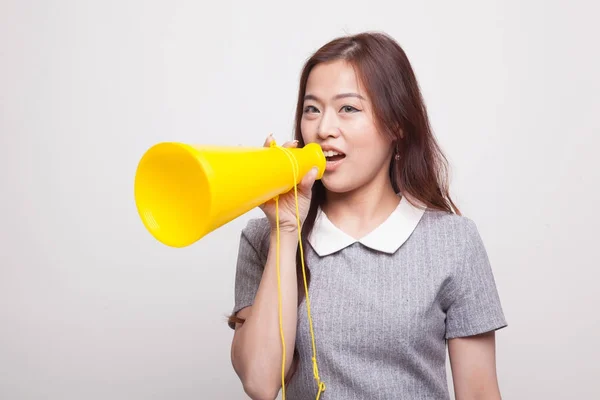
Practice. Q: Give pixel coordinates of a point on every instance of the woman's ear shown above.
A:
(400, 131)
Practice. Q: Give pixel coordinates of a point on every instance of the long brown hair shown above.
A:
(420, 172)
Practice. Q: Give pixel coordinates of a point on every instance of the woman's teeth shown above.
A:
(331, 155)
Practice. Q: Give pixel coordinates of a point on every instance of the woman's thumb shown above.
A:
(308, 180)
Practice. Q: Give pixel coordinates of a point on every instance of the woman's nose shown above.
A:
(328, 126)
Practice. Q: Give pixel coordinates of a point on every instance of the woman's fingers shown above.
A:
(291, 143)
(268, 140)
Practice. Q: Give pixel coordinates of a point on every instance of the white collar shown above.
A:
(326, 238)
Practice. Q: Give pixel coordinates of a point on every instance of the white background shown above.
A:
(91, 307)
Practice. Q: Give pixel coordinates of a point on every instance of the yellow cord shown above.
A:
(321, 385)
(280, 302)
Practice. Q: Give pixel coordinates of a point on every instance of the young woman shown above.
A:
(394, 272)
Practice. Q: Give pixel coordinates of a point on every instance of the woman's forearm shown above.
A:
(257, 350)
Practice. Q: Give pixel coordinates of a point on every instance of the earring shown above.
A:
(397, 157)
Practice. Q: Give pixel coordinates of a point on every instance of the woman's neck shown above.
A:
(362, 210)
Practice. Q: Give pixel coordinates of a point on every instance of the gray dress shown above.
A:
(384, 306)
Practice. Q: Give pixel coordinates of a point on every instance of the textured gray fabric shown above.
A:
(381, 320)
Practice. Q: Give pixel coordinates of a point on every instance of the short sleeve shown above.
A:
(252, 256)
(475, 305)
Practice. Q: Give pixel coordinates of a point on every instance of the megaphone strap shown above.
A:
(321, 385)
(280, 302)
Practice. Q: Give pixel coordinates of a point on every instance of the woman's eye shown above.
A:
(349, 109)
(310, 109)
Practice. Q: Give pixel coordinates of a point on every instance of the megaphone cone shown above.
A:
(183, 192)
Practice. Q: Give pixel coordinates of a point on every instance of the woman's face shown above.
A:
(338, 115)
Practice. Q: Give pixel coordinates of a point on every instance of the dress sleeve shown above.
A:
(252, 256)
(475, 305)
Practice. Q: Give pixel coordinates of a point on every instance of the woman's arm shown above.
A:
(473, 362)
(256, 351)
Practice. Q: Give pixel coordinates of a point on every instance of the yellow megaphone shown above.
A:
(183, 192)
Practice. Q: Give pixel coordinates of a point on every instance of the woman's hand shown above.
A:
(287, 201)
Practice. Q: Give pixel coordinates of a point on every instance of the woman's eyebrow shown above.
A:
(339, 96)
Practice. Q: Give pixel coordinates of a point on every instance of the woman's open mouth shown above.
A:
(334, 158)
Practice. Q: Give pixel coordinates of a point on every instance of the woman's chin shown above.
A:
(336, 185)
